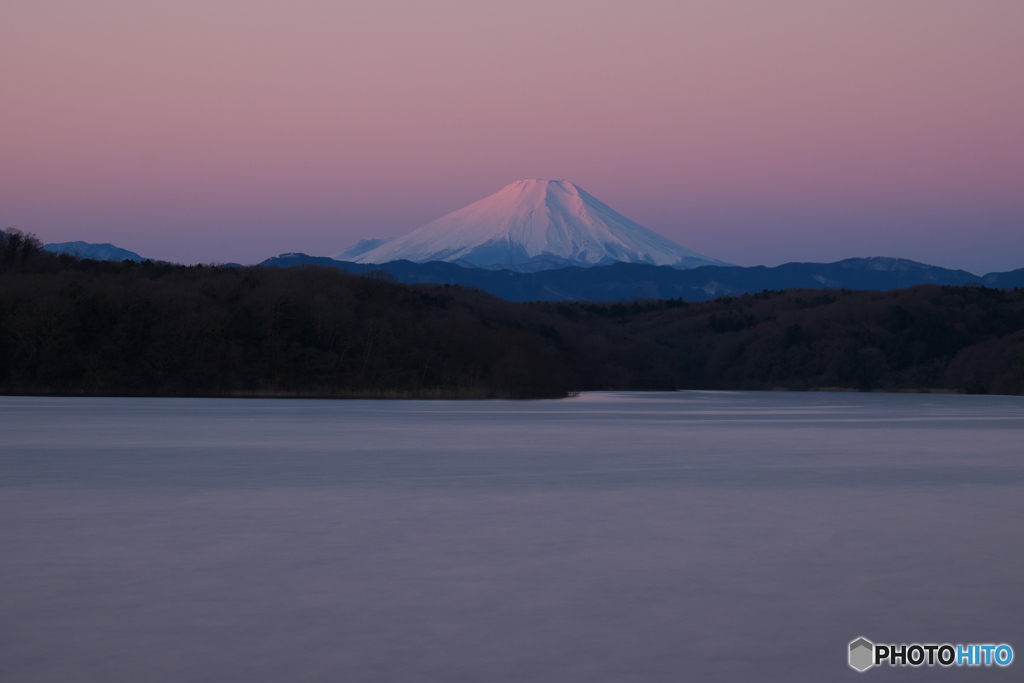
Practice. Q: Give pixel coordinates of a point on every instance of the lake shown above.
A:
(698, 536)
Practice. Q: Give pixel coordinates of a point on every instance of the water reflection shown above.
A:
(694, 536)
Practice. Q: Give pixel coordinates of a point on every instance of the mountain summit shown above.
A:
(531, 225)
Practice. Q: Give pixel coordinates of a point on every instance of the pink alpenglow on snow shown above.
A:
(531, 224)
(760, 132)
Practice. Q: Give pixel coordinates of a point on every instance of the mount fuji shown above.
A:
(531, 225)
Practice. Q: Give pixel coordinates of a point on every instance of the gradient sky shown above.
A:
(754, 132)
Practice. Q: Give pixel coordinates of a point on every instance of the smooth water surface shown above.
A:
(699, 536)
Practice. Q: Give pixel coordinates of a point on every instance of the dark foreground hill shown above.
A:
(83, 327)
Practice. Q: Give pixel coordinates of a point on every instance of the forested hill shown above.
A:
(83, 327)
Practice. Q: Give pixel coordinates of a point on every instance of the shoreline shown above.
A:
(456, 395)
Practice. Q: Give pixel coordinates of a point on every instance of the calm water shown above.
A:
(700, 536)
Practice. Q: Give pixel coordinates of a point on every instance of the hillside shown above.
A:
(70, 326)
(100, 252)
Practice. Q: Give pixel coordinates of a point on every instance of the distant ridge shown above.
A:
(1013, 278)
(100, 252)
(625, 281)
(362, 247)
(531, 225)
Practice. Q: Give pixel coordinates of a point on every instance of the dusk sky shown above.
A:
(753, 132)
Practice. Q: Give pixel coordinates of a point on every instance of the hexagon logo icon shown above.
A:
(862, 654)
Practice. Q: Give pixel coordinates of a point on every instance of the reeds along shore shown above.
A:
(82, 327)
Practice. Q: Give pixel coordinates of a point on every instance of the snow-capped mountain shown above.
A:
(361, 247)
(531, 225)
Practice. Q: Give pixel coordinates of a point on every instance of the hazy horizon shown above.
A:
(754, 134)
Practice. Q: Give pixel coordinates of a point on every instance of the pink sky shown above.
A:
(754, 132)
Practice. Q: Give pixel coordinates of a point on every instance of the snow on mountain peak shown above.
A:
(546, 221)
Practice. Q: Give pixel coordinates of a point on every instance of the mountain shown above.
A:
(98, 252)
(625, 281)
(531, 225)
(1013, 278)
(361, 247)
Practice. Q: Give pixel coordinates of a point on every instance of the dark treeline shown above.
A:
(964, 339)
(70, 326)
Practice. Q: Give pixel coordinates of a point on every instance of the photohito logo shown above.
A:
(864, 654)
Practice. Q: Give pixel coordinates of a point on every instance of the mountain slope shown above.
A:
(361, 247)
(625, 281)
(98, 252)
(1013, 278)
(541, 223)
